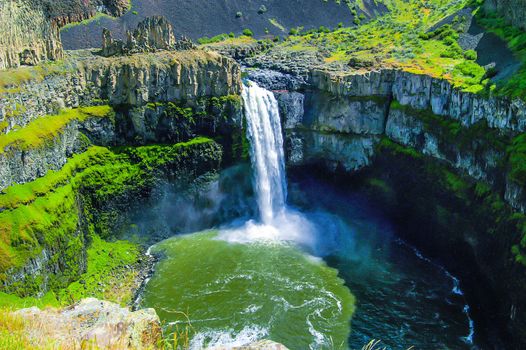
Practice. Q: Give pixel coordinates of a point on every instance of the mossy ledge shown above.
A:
(47, 224)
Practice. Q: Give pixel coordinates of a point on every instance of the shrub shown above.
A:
(470, 55)
(247, 32)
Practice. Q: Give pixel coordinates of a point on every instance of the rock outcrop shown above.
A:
(30, 28)
(152, 34)
(36, 38)
(92, 323)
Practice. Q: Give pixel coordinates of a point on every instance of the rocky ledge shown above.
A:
(92, 323)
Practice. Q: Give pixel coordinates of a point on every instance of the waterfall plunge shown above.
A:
(277, 221)
(267, 155)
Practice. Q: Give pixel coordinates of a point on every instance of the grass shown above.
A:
(400, 39)
(42, 130)
(110, 273)
(47, 211)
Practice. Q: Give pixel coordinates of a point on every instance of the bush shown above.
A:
(247, 32)
(470, 55)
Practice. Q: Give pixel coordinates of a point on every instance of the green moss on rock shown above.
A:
(44, 129)
(57, 212)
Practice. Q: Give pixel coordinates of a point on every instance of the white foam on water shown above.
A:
(226, 339)
(286, 226)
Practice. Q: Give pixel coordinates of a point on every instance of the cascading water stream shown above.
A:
(267, 155)
(276, 222)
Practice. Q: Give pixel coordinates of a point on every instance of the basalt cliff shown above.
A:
(30, 28)
(84, 139)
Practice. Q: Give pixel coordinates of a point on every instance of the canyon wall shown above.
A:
(143, 88)
(439, 157)
(55, 120)
(30, 28)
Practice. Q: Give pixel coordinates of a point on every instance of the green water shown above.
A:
(238, 292)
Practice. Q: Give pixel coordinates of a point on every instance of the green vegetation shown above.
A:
(517, 160)
(61, 209)
(44, 129)
(110, 273)
(12, 79)
(515, 86)
(248, 32)
(400, 39)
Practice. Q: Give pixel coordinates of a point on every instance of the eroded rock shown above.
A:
(152, 34)
(94, 322)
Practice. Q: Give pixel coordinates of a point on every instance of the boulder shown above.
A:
(93, 322)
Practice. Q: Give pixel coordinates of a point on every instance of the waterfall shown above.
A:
(266, 153)
(277, 222)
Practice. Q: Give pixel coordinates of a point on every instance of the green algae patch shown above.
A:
(44, 129)
(49, 220)
(255, 290)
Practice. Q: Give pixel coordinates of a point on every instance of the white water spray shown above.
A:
(277, 223)
(267, 155)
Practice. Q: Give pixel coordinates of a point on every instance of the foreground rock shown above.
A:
(93, 322)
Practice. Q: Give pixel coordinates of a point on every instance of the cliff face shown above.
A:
(164, 97)
(85, 79)
(28, 35)
(30, 28)
(140, 86)
(513, 10)
(446, 154)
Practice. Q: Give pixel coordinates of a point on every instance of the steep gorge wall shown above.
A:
(150, 93)
(433, 150)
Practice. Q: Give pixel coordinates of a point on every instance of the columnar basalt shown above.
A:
(87, 79)
(152, 34)
(30, 28)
